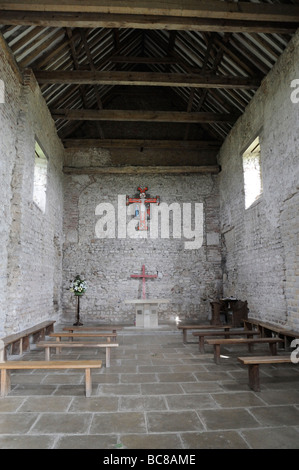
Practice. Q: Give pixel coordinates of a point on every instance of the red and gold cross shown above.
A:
(143, 202)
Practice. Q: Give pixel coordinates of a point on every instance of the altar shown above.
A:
(146, 311)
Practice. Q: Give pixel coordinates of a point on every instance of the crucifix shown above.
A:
(144, 276)
(142, 208)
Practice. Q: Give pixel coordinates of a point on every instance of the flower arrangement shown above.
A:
(78, 285)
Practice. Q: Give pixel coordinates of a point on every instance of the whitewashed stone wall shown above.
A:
(260, 244)
(189, 278)
(260, 256)
(30, 267)
(8, 136)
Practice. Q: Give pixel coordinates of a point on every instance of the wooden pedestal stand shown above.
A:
(78, 323)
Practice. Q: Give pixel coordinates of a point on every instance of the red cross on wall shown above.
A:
(143, 202)
(144, 276)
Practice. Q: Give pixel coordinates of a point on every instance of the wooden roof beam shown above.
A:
(143, 60)
(137, 143)
(141, 116)
(108, 20)
(145, 78)
(180, 8)
(139, 170)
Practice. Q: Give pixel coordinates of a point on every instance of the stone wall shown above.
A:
(260, 244)
(30, 268)
(190, 278)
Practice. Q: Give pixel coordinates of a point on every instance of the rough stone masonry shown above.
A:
(249, 253)
(189, 278)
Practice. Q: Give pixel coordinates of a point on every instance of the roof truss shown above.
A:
(188, 65)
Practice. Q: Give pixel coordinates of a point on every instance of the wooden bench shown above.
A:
(7, 367)
(71, 336)
(76, 328)
(203, 334)
(267, 330)
(112, 328)
(217, 343)
(18, 343)
(185, 328)
(253, 363)
(71, 344)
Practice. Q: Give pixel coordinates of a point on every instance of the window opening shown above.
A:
(40, 177)
(252, 173)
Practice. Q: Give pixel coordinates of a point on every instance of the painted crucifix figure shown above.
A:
(144, 277)
(143, 202)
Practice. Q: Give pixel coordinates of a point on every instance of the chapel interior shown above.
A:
(99, 102)
(193, 106)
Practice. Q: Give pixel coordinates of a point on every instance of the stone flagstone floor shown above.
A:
(158, 394)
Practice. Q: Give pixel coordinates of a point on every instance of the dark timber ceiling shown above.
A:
(145, 74)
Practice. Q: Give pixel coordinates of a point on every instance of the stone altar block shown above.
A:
(146, 311)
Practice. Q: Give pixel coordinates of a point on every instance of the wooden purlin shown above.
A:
(214, 9)
(145, 79)
(108, 20)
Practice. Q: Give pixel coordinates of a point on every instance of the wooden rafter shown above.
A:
(143, 60)
(92, 67)
(107, 20)
(138, 170)
(141, 116)
(145, 78)
(138, 143)
(127, 43)
(182, 8)
(76, 64)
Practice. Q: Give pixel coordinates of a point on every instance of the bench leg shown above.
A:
(227, 331)
(47, 354)
(16, 347)
(2, 352)
(273, 348)
(201, 344)
(184, 336)
(88, 384)
(254, 377)
(217, 353)
(108, 350)
(58, 350)
(5, 382)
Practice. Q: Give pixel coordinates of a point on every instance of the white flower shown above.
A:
(78, 285)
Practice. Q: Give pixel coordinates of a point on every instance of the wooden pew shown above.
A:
(18, 343)
(253, 363)
(71, 336)
(217, 343)
(203, 334)
(268, 329)
(71, 344)
(185, 328)
(7, 367)
(76, 328)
